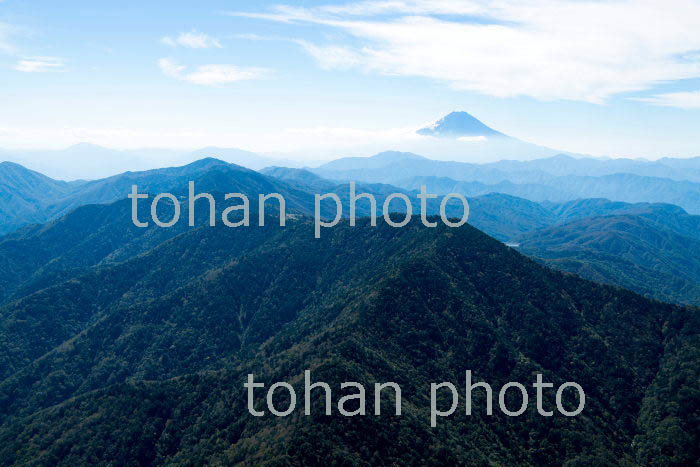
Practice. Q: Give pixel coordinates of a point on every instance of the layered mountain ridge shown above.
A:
(158, 369)
(120, 344)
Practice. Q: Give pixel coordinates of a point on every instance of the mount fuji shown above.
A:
(457, 137)
(461, 137)
(459, 125)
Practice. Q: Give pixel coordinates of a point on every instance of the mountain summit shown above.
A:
(197, 312)
(458, 125)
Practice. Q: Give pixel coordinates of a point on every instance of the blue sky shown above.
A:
(617, 78)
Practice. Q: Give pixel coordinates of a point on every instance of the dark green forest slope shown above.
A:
(142, 361)
(651, 249)
(98, 234)
(126, 346)
(29, 197)
(658, 259)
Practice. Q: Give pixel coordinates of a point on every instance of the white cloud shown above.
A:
(209, 74)
(221, 74)
(682, 100)
(584, 50)
(39, 65)
(368, 8)
(170, 68)
(192, 40)
(331, 57)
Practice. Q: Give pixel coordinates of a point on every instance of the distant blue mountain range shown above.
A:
(562, 220)
(559, 178)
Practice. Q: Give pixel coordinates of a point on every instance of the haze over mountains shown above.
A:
(591, 237)
(89, 161)
(536, 213)
(122, 344)
(457, 137)
(558, 178)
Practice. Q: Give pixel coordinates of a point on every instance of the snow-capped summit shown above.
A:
(459, 125)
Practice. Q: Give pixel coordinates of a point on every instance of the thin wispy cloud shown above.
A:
(209, 75)
(681, 100)
(5, 46)
(333, 57)
(581, 50)
(40, 65)
(192, 40)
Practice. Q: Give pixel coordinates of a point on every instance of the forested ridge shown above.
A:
(150, 367)
(130, 346)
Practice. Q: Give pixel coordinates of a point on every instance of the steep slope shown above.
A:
(501, 216)
(23, 195)
(39, 256)
(581, 208)
(35, 324)
(96, 234)
(646, 249)
(160, 380)
(210, 175)
(506, 217)
(99, 234)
